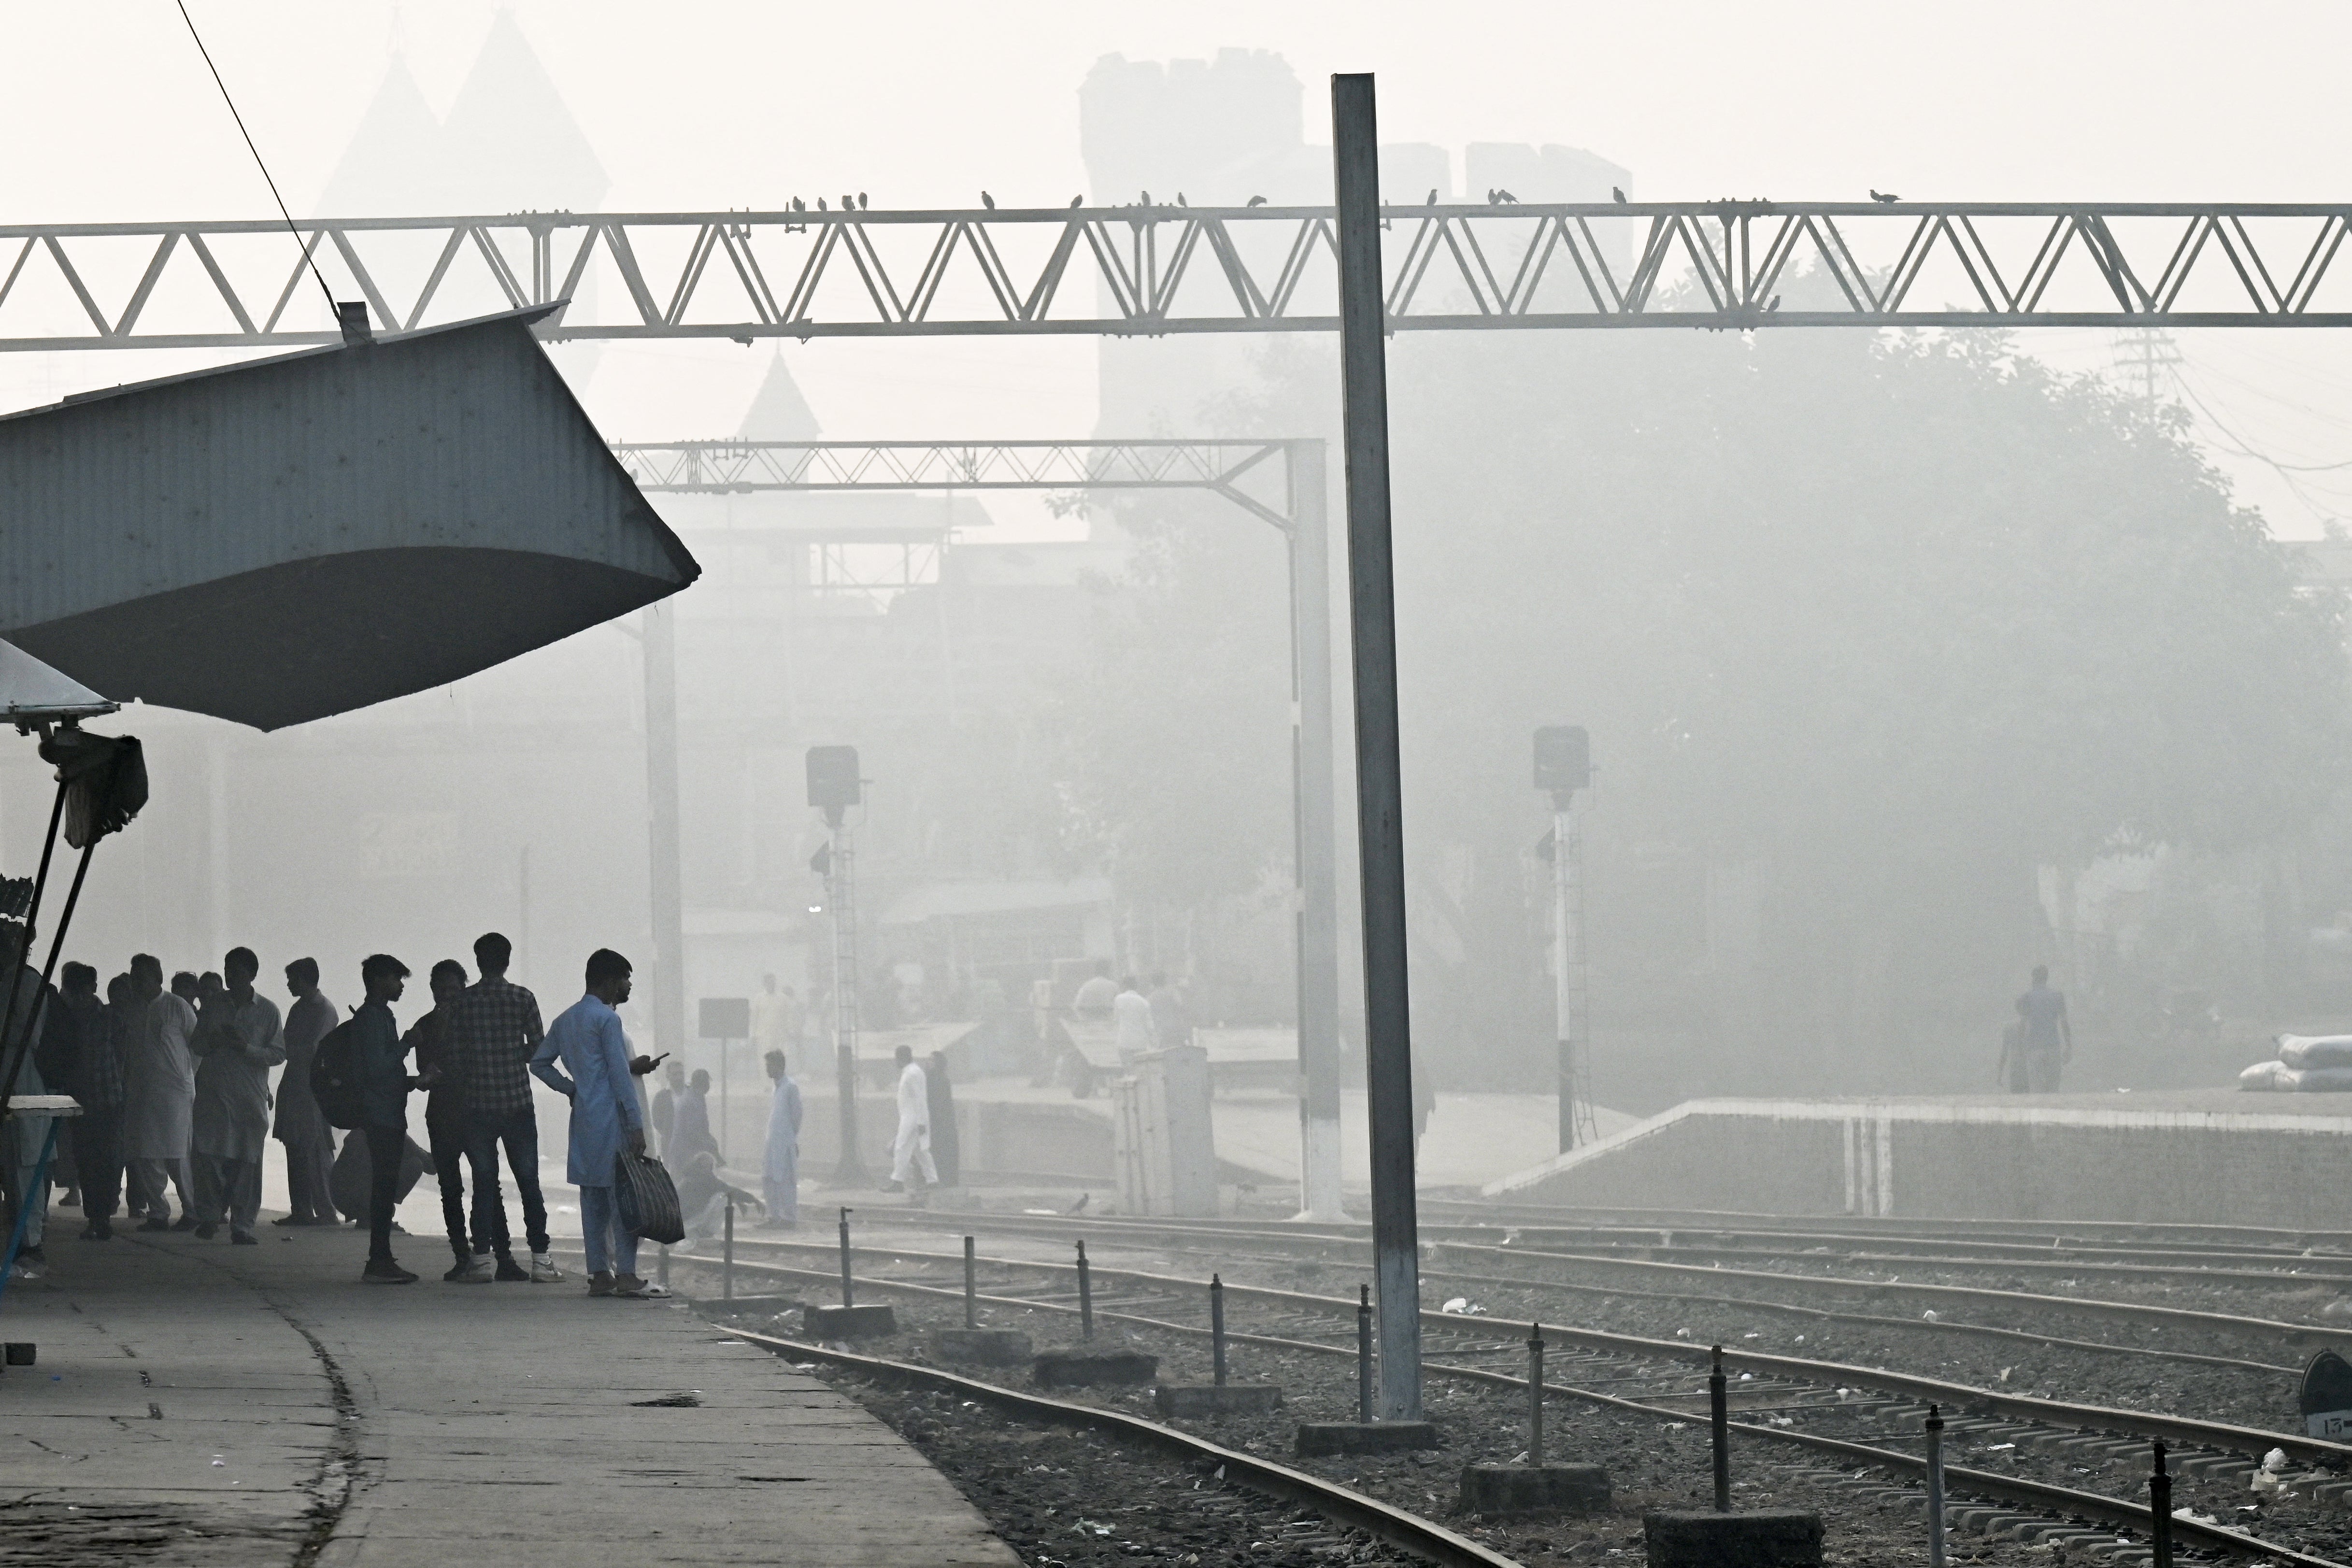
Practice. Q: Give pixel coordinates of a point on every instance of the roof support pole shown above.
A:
(1380, 789)
(662, 835)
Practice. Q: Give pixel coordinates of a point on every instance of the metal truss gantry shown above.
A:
(1218, 467)
(1149, 271)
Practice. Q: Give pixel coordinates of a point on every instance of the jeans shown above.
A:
(307, 1189)
(386, 1147)
(446, 1133)
(228, 1190)
(608, 1241)
(518, 1131)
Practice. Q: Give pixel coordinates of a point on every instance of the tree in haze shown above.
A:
(1867, 632)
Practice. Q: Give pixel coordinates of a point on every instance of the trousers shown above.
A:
(611, 1248)
(227, 1190)
(518, 1132)
(307, 1189)
(386, 1146)
(445, 1135)
(98, 1152)
(912, 1152)
(151, 1181)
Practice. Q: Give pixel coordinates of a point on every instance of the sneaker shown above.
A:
(157, 1225)
(34, 1256)
(385, 1271)
(600, 1284)
(510, 1271)
(207, 1231)
(630, 1285)
(90, 1233)
(104, 1226)
(477, 1270)
(185, 1221)
(243, 1238)
(543, 1270)
(289, 1219)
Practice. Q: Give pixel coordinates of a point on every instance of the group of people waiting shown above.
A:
(175, 1084)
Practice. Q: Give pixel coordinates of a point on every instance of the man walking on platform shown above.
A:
(310, 1141)
(235, 1051)
(2046, 1038)
(385, 1083)
(779, 1171)
(596, 1075)
(494, 1033)
(911, 1169)
(445, 1120)
(159, 1097)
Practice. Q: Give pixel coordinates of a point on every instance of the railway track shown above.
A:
(1620, 1373)
(1443, 1256)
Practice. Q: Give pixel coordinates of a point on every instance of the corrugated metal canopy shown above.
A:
(277, 541)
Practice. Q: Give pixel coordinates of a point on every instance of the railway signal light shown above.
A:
(1563, 759)
(834, 785)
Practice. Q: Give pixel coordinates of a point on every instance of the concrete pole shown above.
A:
(1317, 833)
(1380, 789)
(661, 810)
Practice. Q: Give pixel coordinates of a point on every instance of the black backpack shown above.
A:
(335, 1077)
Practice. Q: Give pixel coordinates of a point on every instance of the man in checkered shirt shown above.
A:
(492, 1034)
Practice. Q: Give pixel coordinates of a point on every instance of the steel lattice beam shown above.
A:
(1149, 271)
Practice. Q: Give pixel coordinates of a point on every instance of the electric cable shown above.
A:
(308, 258)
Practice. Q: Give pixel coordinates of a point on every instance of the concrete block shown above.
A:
(1317, 1437)
(1763, 1538)
(848, 1323)
(20, 1352)
(1216, 1398)
(1093, 1369)
(1499, 1489)
(991, 1347)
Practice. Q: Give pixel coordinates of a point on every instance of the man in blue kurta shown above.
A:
(588, 1041)
(780, 1173)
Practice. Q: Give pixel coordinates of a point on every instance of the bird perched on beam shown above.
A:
(1255, 202)
(1079, 200)
(1502, 198)
(1180, 201)
(849, 203)
(1433, 196)
(1773, 306)
(861, 201)
(1884, 197)
(1617, 195)
(988, 201)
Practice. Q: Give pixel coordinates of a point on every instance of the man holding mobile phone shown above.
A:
(598, 1077)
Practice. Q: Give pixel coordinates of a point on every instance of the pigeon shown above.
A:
(1505, 199)
(848, 204)
(1884, 196)
(1773, 306)
(1180, 201)
(1080, 1204)
(820, 203)
(861, 201)
(1079, 201)
(988, 201)
(1433, 196)
(1257, 202)
(1617, 195)
(799, 206)
(1147, 198)
(1490, 196)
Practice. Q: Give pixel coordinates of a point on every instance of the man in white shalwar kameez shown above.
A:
(910, 1155)
(779, 1171)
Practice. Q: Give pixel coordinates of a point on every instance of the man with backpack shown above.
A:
(378, 1058)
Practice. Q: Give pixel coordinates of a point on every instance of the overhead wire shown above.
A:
(308, 258)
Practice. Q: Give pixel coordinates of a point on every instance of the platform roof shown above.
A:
(295, 536)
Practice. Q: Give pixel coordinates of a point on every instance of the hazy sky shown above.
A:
(111, 116)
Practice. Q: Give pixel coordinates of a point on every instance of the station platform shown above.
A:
(2183, 1157)
(196, 1403)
